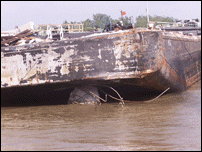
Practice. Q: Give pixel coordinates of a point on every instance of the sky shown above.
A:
(18, 13)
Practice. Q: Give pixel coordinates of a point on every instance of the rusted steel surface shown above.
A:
(183, 54)
(182, 62)
(148, 58)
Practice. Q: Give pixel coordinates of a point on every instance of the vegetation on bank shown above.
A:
(99, 20)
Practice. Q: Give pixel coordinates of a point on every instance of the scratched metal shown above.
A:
(147, 56)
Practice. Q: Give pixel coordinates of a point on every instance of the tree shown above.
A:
(162, 19)
(115, 21)
(141, 21)
(65, 22)
(87, 25)
(101, 20)
(98, 19)
(73, 22)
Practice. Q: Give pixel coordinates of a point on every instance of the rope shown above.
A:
(129, 101)
(98, 96)
(121, 99)
(158, 95)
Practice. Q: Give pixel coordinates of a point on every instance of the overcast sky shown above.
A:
(55, 12)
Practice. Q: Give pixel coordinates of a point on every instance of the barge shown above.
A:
(148, 58)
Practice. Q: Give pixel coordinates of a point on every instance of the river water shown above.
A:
(171, 122)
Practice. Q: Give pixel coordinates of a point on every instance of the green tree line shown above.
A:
(141, 21)
(99, 20)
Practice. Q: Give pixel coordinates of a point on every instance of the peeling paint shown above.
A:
(108, 56)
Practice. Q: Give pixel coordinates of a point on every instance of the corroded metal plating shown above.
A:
(148, 58)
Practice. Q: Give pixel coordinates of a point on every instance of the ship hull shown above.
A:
(150, 59)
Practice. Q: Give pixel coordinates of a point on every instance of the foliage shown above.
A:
(65, 22)
(88, 29)
(102, 19)
(87, 25)
(141, 21)
(162, 19)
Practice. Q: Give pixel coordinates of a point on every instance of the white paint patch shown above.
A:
(99, 56)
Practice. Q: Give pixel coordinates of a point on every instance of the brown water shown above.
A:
(172, 122)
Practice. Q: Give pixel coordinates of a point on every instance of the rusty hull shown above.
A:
(148, 58)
